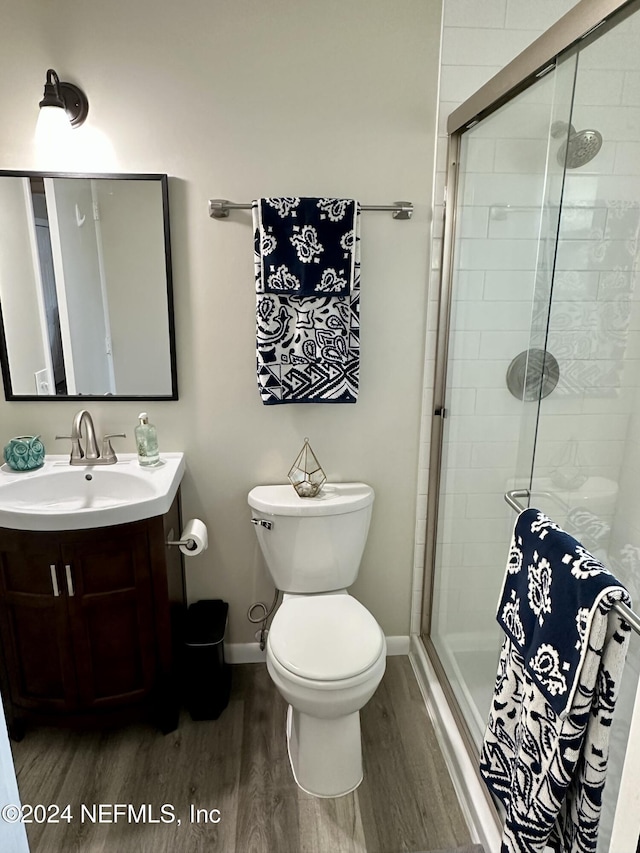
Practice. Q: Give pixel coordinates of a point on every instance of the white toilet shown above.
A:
(325, 652)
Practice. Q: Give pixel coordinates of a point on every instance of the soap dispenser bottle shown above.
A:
(146, 441)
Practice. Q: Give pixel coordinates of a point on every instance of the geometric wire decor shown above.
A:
(306, 475)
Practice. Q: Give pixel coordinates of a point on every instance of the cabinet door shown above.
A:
(107, 579)
(34, 623)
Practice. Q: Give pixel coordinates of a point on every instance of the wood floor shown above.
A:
(239, 766)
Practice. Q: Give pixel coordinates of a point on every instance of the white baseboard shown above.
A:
(250, 652)
(244, 653)
(480, 817)
(398, 645)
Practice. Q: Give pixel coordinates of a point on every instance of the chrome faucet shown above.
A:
(89, 455)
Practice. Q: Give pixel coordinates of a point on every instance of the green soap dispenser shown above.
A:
(146, 441)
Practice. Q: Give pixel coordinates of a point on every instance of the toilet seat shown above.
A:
(325, 638)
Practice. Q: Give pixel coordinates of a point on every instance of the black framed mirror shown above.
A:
(86, 291)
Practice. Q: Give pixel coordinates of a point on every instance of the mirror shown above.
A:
(86, 302)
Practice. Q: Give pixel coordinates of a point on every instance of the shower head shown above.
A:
(580, 146)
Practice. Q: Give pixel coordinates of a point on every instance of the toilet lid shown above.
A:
(325, 637)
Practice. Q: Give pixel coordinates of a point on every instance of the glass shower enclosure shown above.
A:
(538, 369)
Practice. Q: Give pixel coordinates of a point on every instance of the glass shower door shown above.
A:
(587, 460)
(507, 209)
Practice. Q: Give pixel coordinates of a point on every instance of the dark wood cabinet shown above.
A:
(90, 623)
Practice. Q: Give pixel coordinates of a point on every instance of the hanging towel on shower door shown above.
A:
(307, 271)
(546, 744)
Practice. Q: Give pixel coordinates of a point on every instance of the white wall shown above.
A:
(240, 100)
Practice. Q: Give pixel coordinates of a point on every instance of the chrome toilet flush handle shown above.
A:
(261, 522)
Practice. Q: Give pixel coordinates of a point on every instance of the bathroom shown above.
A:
(246, 100)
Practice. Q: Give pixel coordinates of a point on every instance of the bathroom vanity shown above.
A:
(90, 623)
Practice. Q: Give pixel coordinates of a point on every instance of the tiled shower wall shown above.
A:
(477, 41)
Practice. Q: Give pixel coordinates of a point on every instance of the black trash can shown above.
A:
(207, 676)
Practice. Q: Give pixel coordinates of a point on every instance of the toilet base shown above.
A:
(325, 754)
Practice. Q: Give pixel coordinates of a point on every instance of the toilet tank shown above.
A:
(312, 544)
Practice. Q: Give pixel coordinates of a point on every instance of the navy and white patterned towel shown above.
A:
(551, 591)
(307, 270)
(545, 749)
(307, 245)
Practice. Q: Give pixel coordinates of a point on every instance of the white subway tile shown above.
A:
(627, 157)
(581, 223)
(458, 455)
(468, 285)
(459, 82)
(472, 222)
(594, 254)
(470, 13)
(479, 530)
(525, 118)
(482, 47)
(513, 223)
(631, 87)
(483, 428)
(511, 285)
(485, 189)
(498, 401)
(496, 345)
(453, 505)
(493, 316)
(462, 401)
(478, 154)
(521, 156)
(598, 87)
(574, 285)
(616, 284)
(632, 348)
(491, 254)
(472, 373)
(618, 403)
(486, 506)
(558, 403)
(618, 49)
(591, 427)
(464, 345)
(538, 16)
(493, 555)
(490, 454)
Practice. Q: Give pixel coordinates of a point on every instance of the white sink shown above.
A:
(60, 496)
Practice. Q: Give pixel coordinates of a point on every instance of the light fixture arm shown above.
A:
(66, 95)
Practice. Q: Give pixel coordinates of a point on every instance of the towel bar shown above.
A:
(627, 614)
(219, 208)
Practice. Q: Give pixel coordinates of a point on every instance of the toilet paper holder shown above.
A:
(189, 543)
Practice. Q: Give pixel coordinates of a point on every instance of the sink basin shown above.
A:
(60, 496)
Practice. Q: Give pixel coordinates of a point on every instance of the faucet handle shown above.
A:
(76, 450)
(108, 453)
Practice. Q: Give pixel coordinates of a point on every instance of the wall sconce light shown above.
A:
(63, 104)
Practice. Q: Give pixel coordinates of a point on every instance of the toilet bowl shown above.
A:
(326, 653)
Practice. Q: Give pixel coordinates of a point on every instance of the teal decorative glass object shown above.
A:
(24, 453)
